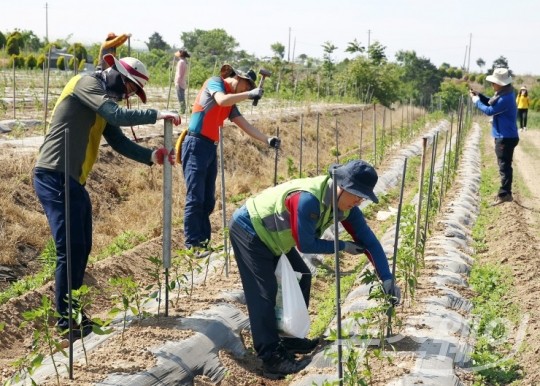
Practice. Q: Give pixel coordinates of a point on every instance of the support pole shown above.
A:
(167, 209)
(67, 203)
(396, 242)
(338, 277)
(223, 201)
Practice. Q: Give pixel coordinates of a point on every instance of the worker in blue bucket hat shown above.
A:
(295, 214)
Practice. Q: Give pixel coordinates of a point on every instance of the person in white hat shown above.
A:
(501, 107)
(88, 107)
(523, 102)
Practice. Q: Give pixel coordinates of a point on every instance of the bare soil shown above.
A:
(128, 197)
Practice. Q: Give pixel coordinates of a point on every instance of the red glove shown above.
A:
(158, 156)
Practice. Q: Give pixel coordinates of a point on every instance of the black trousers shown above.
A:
(257, 265)
(504, 150)
(522, 117)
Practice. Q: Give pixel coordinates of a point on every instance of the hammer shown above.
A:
(263, 73)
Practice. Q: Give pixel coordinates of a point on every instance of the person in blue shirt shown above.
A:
(502, 109)
(295, 214)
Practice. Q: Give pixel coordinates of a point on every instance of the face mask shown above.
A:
(115, 86)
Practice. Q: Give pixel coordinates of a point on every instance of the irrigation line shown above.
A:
(223, 203)
(67, 203)
(167, 208)
(396, 242)
(338, 276)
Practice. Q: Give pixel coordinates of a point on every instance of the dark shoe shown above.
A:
(281, 363)
(62, 326)
(299, 345)
(501, 199)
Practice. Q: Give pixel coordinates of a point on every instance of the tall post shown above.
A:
(420, 197)
(317, 156)
(337, 141)
(301, 144)
(67, 211)
(396, 244)
(167, 209)
(338, 277)
(374, 135)
(223, 201)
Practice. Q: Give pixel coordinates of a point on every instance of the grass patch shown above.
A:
(492, 311)
(124, 242)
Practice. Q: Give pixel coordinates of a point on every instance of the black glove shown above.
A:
(394, 292)
(353, 248)
(274, 142)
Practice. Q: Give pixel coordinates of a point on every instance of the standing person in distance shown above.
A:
(523, 102)
(502, 109)
(180, 78)
(88, 107)
(215, 102)
(109, 46)
(295, 214)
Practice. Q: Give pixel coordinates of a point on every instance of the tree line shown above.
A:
(367, 76)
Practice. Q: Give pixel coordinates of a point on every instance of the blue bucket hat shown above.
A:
(357, 177)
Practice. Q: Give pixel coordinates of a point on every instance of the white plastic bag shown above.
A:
(291, 311)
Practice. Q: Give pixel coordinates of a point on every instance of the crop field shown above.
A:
(468, 271)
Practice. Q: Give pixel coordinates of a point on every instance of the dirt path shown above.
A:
(514, 242)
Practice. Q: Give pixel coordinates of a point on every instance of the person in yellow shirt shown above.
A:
(109, 46)
(523, 102)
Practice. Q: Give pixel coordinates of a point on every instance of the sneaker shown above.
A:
(501, 199)
(281, 363)
(299, 345)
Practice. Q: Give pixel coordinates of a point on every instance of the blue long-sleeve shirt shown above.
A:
(301, 207)
(504, 113)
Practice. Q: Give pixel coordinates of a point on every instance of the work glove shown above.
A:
(475, 98)
(159, 155)
(353, 248)
(256, 93)
(173, 116)
(274, 142)
(395, 292)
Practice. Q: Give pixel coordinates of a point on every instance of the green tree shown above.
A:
(500, 62)
(3, 41)
(156, 42)
(211, 47)
(376, 53)
(78, 50)
(355, 47)
(61, 63)
(30, 62)
(450, 94)
(480, 63)
(279, 50)
(14, 43)
(421, 76)
(30, 41)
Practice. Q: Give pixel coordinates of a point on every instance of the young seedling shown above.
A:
(127, 291)
(43, 337)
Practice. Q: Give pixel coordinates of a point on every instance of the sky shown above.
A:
(440, 31)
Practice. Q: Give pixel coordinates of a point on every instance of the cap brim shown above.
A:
(368, 195)
(492, 79)
(112, 61)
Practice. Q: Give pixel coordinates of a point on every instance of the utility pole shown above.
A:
(289, 47)
(368, 38)
(465, 57)
(469, 62)
(46, 23)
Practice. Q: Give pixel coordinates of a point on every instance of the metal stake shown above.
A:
(67, 207)
(338, 274)
(223, 202)
(396, 239)
(167, 208)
